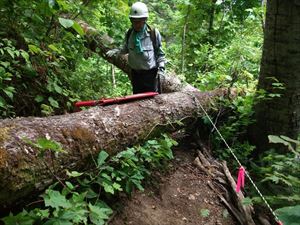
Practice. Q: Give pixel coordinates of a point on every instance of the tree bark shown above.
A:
(83, 135)
(185, 25)
(280, 64)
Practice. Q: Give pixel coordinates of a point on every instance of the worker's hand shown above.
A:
(161, 71)
(112, 52)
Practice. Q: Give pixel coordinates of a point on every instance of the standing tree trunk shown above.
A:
(211, 18)
(280, 64)
(183, 39)
(113, 77)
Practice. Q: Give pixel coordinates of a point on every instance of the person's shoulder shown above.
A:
(152, 30)
(155, 32)
(129, 30)
(128, 33)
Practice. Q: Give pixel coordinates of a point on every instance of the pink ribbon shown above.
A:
(240, 180)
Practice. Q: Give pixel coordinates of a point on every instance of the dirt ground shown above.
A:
(181, 196)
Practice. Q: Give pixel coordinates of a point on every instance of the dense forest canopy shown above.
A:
(47, 64)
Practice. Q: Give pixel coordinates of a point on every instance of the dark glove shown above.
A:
(112, 52)
(160, 78)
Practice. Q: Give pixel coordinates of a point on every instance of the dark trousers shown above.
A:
(145, 81)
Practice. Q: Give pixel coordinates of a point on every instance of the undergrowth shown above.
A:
(276, 173)
(81, 198)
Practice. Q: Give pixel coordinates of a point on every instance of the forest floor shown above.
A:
(182, 195)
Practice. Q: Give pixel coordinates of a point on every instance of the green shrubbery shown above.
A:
(80, 200)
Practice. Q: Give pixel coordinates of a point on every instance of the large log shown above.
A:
(83, 135)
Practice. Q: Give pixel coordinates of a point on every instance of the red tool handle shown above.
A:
(87, 103)
(110, 101)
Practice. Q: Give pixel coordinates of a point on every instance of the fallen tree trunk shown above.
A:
(83, 135)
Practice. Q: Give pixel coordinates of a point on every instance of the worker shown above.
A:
(145, 55)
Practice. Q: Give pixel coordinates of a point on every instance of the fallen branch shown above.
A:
(245, 210)
(224, 182)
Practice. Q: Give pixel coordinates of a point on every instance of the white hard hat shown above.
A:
(139, 10)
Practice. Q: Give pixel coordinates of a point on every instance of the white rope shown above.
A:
(235, 157)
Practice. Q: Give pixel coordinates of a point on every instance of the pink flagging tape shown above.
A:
(240, 180)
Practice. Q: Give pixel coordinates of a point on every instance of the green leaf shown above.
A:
(57, 88)
(225, 213)
(273, 178)
(91, 194)
(204, 213)
(117, 186)
(69, 185)
(289, 215)
(54, 48)
(247, 201)
(66, 23)
(25, 56)
(12, 53)
(79, 198)
(98, 214)
(21, 218)
(102, 157)
(53, 102)
(51, 3)
(77, 214)
(5, 65)
(2, 102)
(278, 140)
(34, 49)
(56, 200)
(78, 29)
(58, 221)
(9, 92)
(108, 187)
(290, 139)
(73, 174)
(138, 184)
(274, 95)
(40, 213)
(45, 144)
(106, 176)
(39, 98)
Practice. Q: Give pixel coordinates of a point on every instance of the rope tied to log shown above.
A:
(239, 163)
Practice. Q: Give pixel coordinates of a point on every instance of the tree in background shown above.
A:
(44, 65)
(37, 54)
(279, 112)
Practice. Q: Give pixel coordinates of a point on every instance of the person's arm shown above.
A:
(124, 50)
(116, 51)
(159, 53)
